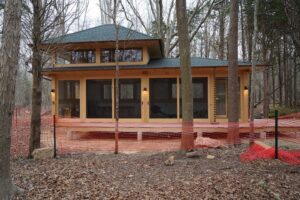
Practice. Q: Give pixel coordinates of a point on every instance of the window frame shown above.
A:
(112, 54)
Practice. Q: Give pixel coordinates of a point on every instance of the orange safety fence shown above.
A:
(288, 142)
(148, 137)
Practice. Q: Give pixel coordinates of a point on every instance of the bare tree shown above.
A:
(253, 69)
(222, 16)
(114, 18)
(105, 7)
(233, 107)
(34, 141)
(9, 56)
(164, 25)
(187, 137)
(292, 9)
(49, 19)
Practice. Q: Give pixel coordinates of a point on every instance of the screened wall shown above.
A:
(163, 98)
(68, 98)
(200, 95)
(99, 98)
(130, 98)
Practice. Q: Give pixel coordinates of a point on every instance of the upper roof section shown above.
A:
(104, 36)
(103, 33)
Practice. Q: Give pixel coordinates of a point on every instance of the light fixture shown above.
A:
(246, 91)
(53, 95)
(145, 91)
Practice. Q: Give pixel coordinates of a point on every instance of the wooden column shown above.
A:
(178, 98)
(245, 95)
(212, 97)
(98, 56)
(113, 99)
(145, 99)
(54, 98)
(82, 98)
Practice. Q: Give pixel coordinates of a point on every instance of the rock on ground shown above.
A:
(42, 153)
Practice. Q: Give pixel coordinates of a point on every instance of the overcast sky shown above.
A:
(93, 13)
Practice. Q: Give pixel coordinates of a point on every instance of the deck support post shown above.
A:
(263, 135)
(199, 134)
(139, 135)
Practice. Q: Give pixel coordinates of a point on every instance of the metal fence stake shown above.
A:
(54, 136)
(276, 134)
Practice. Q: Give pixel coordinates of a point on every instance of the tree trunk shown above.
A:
(221, 31)
(243, 32)
(187, 137)
(295, 82)
(266, 97)
(9, 57)
(160, 22)
(285, 72)
(233, 107)
(35, 134)
(273, 87)
(292, 10)
(117, 89)
(279, 74)
(249, 37)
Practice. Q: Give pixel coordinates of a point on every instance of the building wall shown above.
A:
(144, 75)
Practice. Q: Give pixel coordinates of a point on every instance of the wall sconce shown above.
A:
(145, 91)
(246, 90)
(53, 95)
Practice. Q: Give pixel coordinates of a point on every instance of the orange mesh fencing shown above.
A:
(155, 137)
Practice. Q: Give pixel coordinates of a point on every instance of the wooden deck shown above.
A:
(260, 126)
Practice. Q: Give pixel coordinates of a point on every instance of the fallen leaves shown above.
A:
(144, 176)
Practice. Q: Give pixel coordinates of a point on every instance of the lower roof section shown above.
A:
(165, 63)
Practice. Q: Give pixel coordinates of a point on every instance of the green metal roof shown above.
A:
(164, 63)
(101, 33)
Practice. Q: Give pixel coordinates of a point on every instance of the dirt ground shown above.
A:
(145, 176)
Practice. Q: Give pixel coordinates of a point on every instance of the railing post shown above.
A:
(54, 136)
(276, 134)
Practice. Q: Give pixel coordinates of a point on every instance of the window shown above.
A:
(125, 55)
(163, 98)
(83, 56)
(69, 101)
(99, 99)
(130, 98)
(76, 57)
(126, 91)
